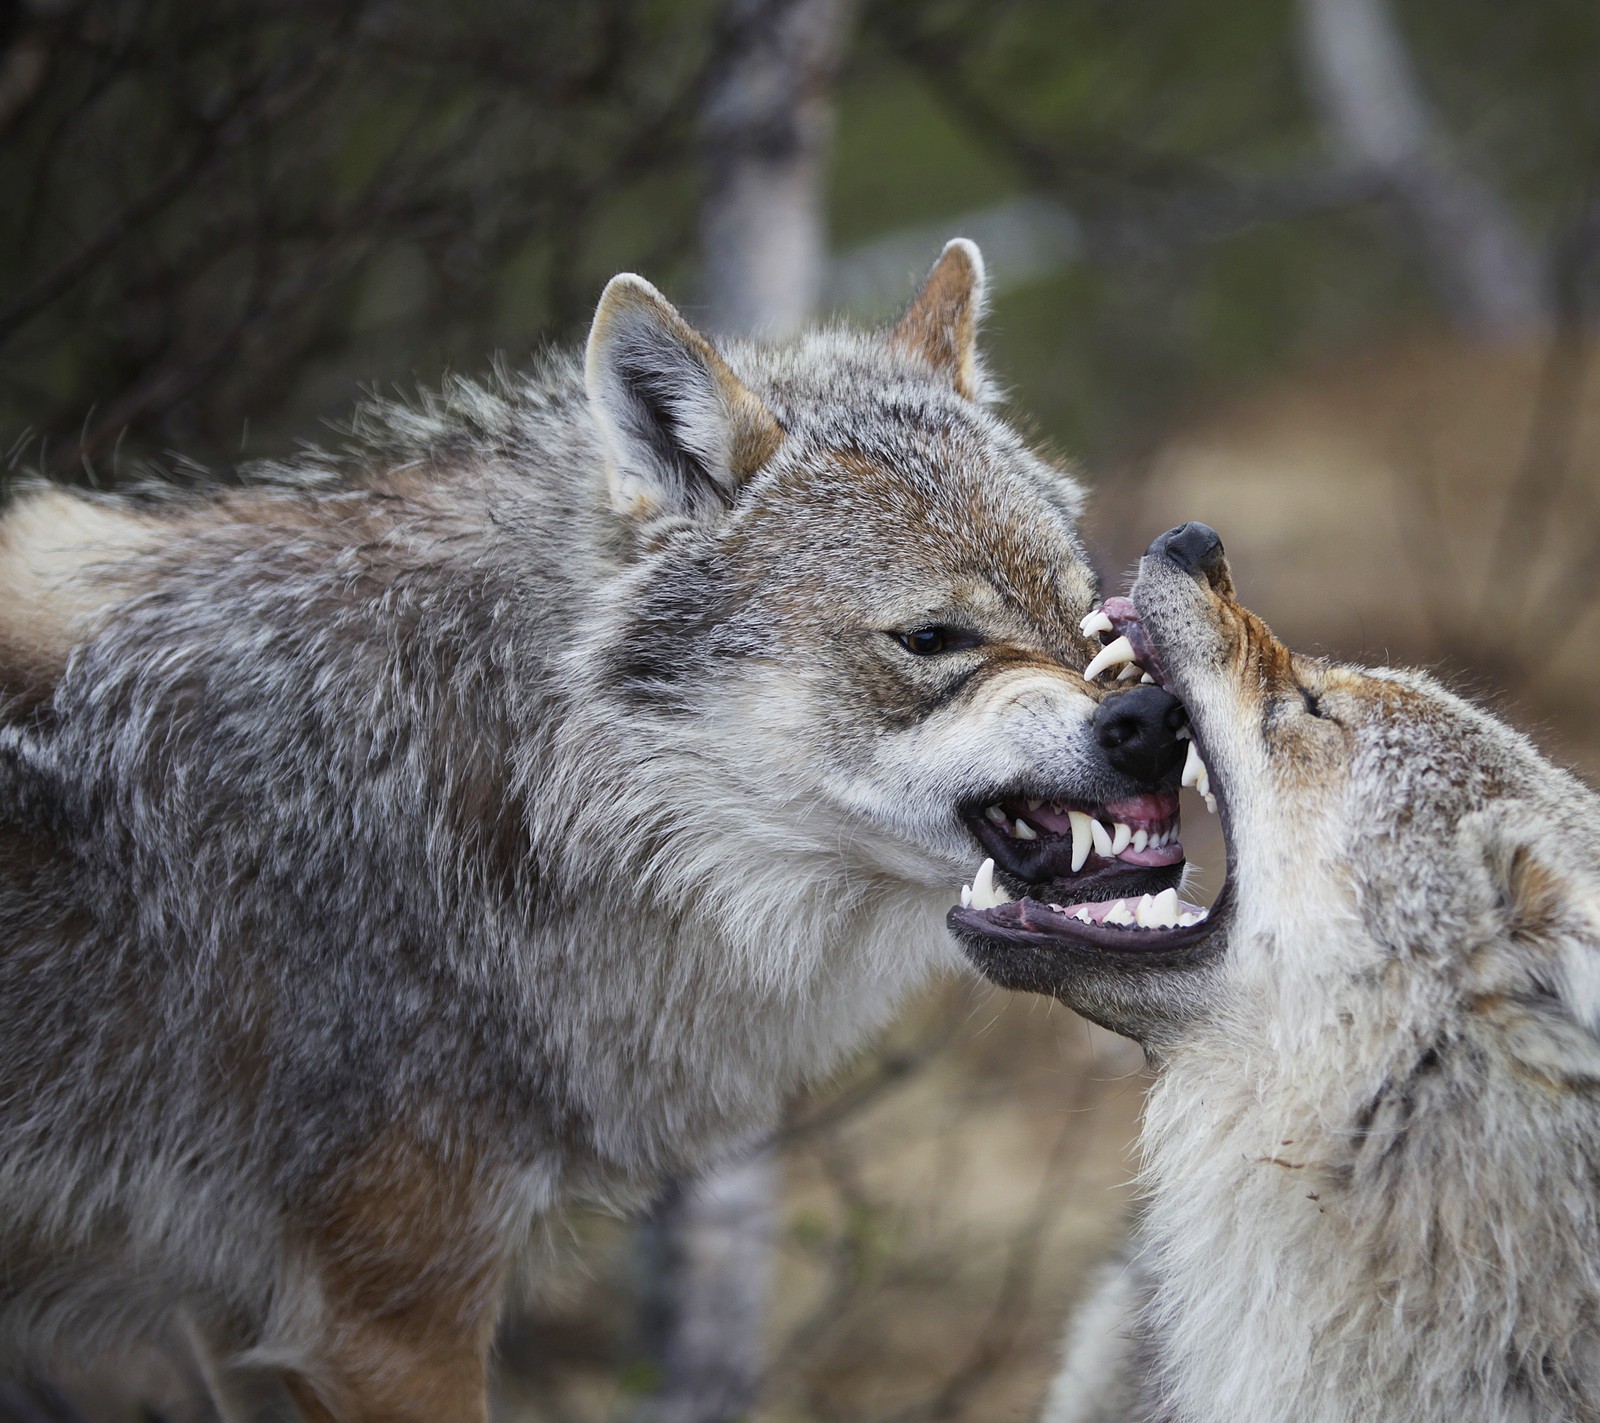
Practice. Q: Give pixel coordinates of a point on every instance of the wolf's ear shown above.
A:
(683, 433)
(1550, 920)
(941, 324)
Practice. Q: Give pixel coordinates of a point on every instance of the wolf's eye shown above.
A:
(933, 639)
(923, 641)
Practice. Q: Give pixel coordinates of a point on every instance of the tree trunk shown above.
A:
(768, 125)
(1374, 111)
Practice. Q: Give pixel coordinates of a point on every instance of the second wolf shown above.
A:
(1372, 1156)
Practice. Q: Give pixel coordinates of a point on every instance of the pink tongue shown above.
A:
(1053, 820)
(1168, 854)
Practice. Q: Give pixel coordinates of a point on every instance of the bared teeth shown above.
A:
(1096, 623)
(1023, 831)
(1118, 914)
(1129, 672)
(1113, 654)
(1164, 909)
(986, 894)
(1195, 774)
(1082, 837)
(1121, 836)
(1102, 839)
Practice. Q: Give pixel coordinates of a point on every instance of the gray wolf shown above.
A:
(510, 810)
(1372, 1153)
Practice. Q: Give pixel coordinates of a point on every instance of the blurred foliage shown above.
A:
(218, 210)
(223, 218)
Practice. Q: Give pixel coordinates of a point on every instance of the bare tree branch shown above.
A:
(1375, 113)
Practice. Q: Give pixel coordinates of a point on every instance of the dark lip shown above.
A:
(1003, 928)
(1008, 927)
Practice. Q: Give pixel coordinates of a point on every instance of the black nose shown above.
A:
(1194, 547)
(1138, 731)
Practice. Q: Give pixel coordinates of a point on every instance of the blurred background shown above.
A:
(1324, 273)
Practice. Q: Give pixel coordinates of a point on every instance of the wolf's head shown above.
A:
(847, 614)
(1374, 822)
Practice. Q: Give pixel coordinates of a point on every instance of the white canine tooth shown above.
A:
(1129, 672)
(1164, 911)
(966, 896)
(1102, 839)
(1083, 915)
(1147, 679)
(1120, 836)
(1141, 838)
(1113, 654)
(1193, 766)
(1096, 623)
(998, 816)
(986, 894)
(1144, 913)
(1118, 914)
(1082, 837)
(1023, 831)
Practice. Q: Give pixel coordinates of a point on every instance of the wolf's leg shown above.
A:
(238, 1395)
(369, 1375)
(1102, 1375)
(389, 1311)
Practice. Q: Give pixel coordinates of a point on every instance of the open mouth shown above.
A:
(1121, 861)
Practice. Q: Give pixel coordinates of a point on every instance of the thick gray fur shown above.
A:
(525, 800)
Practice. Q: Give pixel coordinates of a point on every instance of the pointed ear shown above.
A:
(682, 432)
(1549, 929)
(941, 324)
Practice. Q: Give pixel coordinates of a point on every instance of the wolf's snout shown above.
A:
(1196, 548)
(1138, 730)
